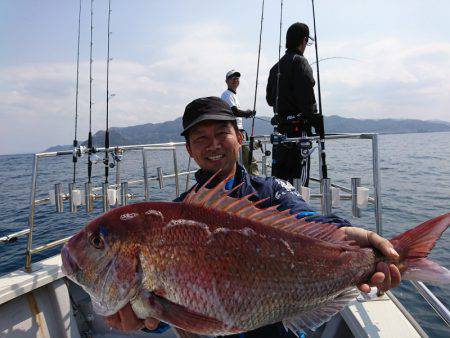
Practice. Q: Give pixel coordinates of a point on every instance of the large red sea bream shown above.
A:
(218, 265)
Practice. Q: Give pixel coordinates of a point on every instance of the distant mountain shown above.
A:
(170, 130)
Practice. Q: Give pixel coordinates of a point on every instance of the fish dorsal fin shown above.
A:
(219, 198)
(316, 317)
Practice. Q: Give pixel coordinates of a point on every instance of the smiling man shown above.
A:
(213, 140)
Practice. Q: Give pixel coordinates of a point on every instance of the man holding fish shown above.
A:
(213, 141)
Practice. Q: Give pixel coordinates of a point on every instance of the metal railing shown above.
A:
(439, 308)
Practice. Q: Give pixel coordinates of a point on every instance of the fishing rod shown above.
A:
(252, 138)
(106, 159)
(90, 101)
(278, 70)
(75, 140)
(319, 125)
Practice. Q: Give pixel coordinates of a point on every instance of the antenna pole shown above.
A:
(106, 159)
(320, 128)
(75, 140)
(252, 139)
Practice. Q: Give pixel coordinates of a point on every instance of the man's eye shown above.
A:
(199, 139)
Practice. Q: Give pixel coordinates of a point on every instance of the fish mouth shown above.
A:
(69, 266)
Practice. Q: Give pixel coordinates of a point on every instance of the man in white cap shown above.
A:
(230, 97)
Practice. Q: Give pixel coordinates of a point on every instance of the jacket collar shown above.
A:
(293, 51)
(201, 176)
(241, 176)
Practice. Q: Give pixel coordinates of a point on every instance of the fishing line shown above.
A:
(335, 57)
(90, 101)
(106, 159)
(75, 141)
(252, 139)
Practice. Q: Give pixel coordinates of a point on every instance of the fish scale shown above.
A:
(218, 265)
(185, 244)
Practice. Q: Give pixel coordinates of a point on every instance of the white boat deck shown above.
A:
(19, 282)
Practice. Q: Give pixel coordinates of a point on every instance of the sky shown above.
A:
(383, 59)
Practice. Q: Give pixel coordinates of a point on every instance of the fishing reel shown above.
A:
(116, 157)
(117, 154)
(95, 159)
(277, 138)
(305, 147)
(79, 151)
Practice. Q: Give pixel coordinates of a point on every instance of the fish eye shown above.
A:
(97, 241)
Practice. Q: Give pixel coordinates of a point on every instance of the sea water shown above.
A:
(415, 184)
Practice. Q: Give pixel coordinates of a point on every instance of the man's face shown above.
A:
(233, 82)
(215, 145)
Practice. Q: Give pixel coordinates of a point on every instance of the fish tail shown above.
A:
(414, 245)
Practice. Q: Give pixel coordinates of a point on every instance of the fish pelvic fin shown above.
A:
(314, 318)
(218, 198)
(414, 245)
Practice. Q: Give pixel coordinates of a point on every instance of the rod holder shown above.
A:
(160, 177)
(355, 183)
(112, 196)
(124, 193)
(335, 197)
(105, 196)
(73, 207)
(175, 168)
(51, 196)
(264, 165)
(306, 193)
(188, 173)
(59, 197)
(145, 168)
(88, 197)
(325, 187)
(362, 197)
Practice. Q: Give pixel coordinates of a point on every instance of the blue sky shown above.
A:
(166, 53)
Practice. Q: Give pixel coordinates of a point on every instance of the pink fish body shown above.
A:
(217, 265)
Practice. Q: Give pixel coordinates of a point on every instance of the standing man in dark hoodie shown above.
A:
(291, 80)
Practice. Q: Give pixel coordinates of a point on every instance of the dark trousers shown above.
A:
(287, 160)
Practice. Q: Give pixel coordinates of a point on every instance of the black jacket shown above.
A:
(296, 86)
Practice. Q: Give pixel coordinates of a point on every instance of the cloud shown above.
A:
(392, 79)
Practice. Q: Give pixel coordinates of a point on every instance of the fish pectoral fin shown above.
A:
(316, 317)
(181, 317)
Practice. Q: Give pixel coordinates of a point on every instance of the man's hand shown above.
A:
(250, 113)
(274, 120)
(126, 320)
(387, 276)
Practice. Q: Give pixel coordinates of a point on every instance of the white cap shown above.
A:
(232, 73)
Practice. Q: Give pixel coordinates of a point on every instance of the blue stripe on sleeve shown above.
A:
(306, 214)
(229, 184)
